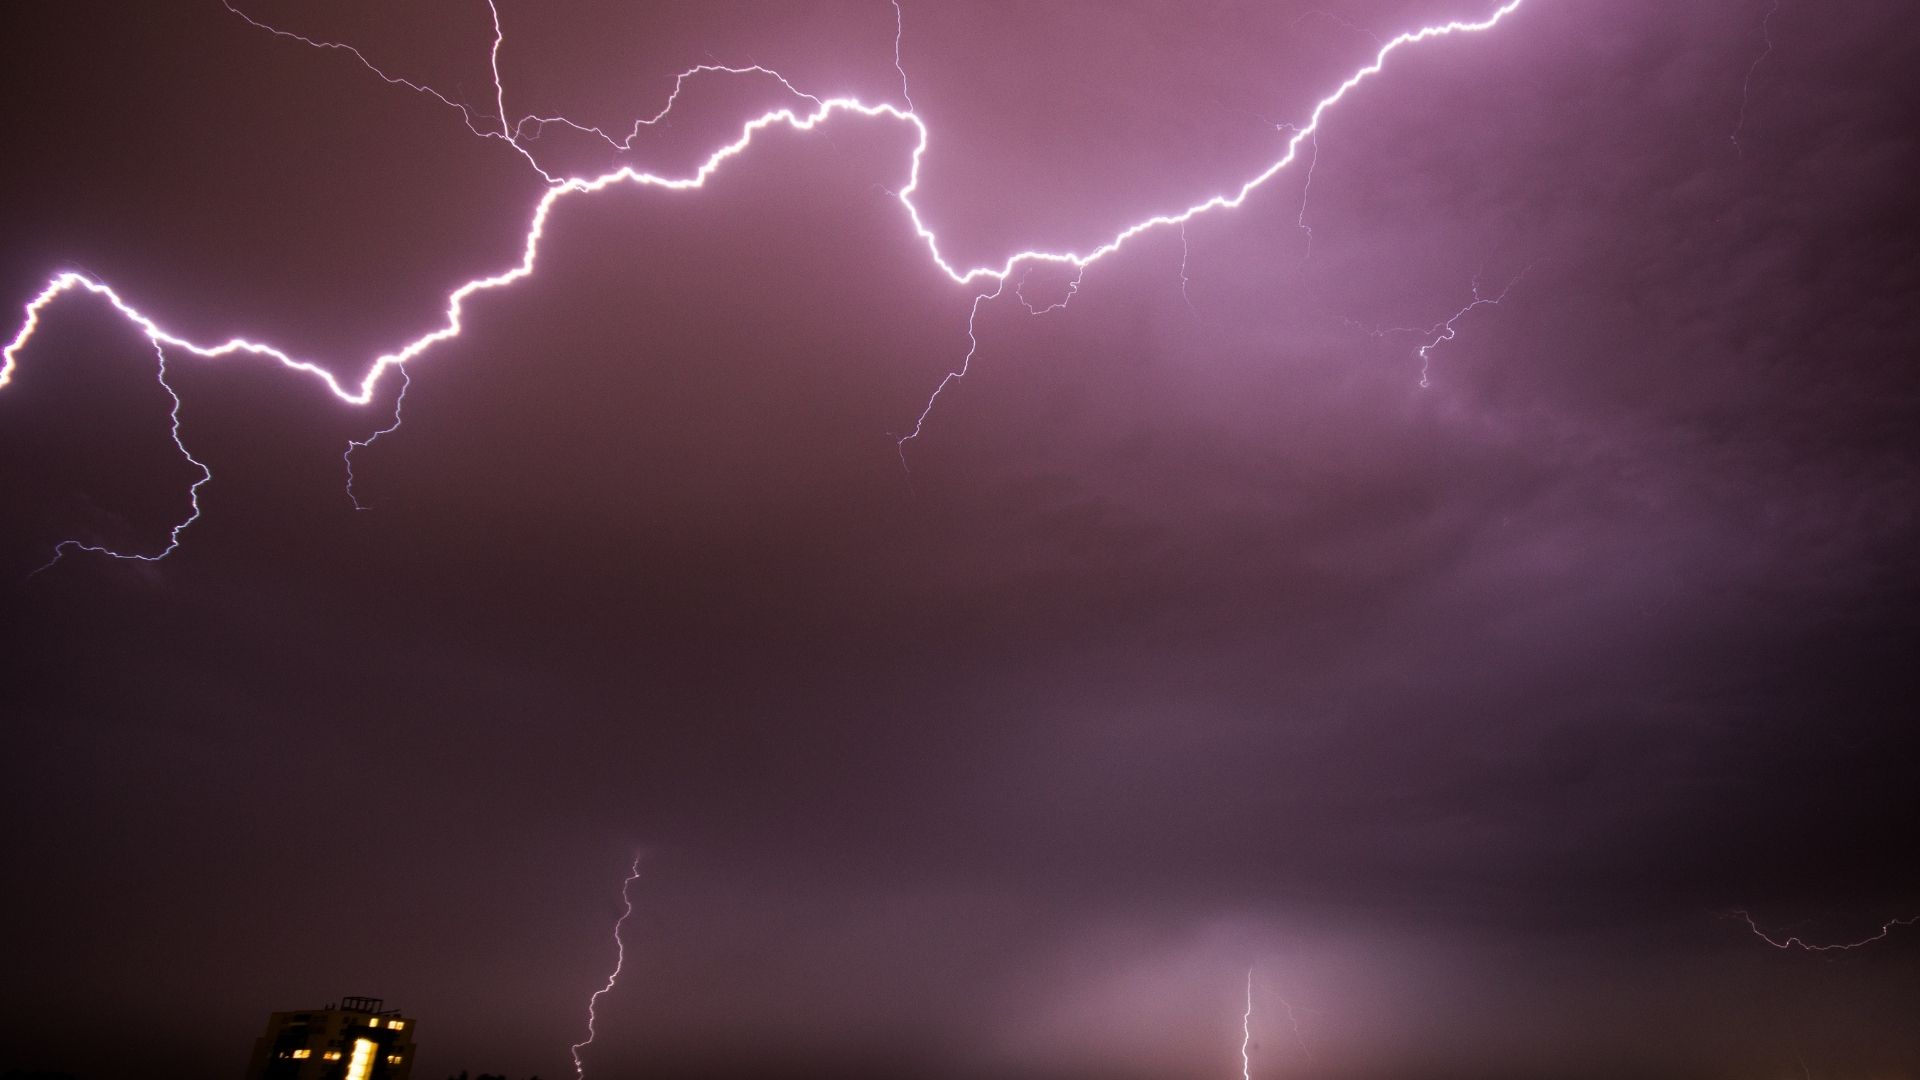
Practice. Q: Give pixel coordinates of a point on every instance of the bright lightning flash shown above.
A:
(561, 188)
(619, 961)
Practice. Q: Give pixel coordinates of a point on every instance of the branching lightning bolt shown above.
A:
(1443, 332)
(346, 457)
(193, 492)
(792, 117)
(619, 961)
(1794, 942)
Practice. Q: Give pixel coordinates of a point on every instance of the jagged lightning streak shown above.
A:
(1185, 253)
(966, 362)
(361, 393)
(1746, 87)
(1794, 942)
(1246, 1033)
(899, 31)
(1443, 332)
(619, 961)
(1299, 1037)
(1306, 189)
(193, 492)
(466, 114)
(346, 457)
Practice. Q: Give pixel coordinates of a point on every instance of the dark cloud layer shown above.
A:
(1199, 637)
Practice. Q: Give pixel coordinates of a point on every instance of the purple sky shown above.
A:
(1200, 636)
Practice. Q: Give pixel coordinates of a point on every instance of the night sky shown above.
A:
(1196, 636)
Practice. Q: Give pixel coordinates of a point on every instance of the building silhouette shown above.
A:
(357, 1038)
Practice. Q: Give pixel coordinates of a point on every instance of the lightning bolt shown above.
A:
(193, 492)
(1442, 332)
(1306, 188)
(1299, 1037)
(346, 457)
(1746, 87)
(1185, 252)
(619, 961)
(1794, 942)
(899, 31)
(1246, 1033)
(990, 279)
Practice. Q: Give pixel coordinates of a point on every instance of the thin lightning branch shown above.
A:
(823, 109)
(1073, 287)
(899, 31)
(1306, 189)
(406, 382)
(1246, 1032)
(1444, 331)
(1337, 20)
(619, 960)
(515, 134)
(973, 346)
(1746, 87)
(466, 114)
(1794, 942)
(493, 61)
(1185, 251)
(1299, 1037)
(193, 492)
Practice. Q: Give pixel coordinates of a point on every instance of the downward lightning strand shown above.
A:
(1794, 942)
(899, 31)
(1444, 331)
(1746, 86)
(1293, 1021)
(1306, 189)
(619, 961)
(361, 392)
(193, 492)
(406, 383)
(1185, 252)
(973, 347)
(1246, 1032)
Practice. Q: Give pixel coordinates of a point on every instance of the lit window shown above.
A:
(303, 1053)
(393, 1059)
(397, 1024)
(331, 1055)
(361, 1066)
(373, 1021)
